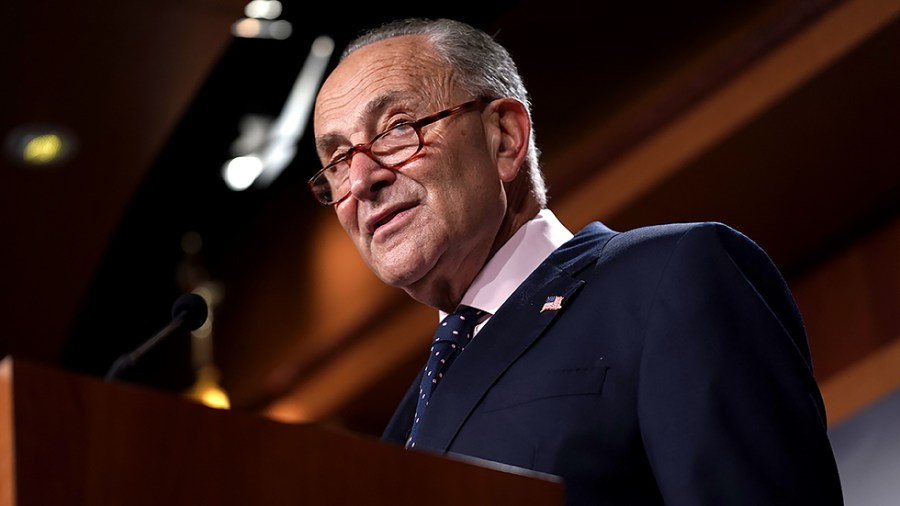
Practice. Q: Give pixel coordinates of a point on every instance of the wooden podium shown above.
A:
(70, 439)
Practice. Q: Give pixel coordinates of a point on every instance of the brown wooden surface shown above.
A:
(80, 440)
(7, 482)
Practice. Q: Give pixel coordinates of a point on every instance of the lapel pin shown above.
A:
(553, 303)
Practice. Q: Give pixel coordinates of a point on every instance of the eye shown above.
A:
(400, 123)
(398, 119)
(338, 156)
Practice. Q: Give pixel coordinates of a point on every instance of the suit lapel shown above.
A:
(520, 322)
(509, 334)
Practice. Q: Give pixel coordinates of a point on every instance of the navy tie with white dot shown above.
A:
(450, 338)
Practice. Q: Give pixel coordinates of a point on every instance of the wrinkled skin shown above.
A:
(429, 226)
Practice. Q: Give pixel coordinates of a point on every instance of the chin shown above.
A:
(397, 277)
(414, 281)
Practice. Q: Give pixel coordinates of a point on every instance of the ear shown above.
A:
(511, 132)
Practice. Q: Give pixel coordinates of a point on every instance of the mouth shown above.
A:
(385, 216)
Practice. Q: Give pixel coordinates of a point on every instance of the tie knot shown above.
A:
(459, 325)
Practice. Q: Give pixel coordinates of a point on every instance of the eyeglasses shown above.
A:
(390, 149)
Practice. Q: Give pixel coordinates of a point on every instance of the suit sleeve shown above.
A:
(729, 410)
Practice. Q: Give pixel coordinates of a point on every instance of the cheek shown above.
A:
(346, 215)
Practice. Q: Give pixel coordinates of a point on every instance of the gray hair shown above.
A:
(483, 67)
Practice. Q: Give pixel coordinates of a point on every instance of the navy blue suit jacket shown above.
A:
(676, 371)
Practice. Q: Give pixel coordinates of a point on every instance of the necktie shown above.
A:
(450, 338)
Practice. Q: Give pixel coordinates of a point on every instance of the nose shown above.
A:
(367, 177)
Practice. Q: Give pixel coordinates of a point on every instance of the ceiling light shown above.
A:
(39, 145)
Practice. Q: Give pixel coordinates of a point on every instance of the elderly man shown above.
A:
(663, 365)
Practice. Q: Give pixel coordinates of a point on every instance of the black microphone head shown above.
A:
(192, 309)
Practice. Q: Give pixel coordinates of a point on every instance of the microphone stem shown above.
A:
(127, 360)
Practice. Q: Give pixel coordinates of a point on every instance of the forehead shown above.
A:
(400, 69)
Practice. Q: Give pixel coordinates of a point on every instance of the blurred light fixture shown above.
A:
(39, 145)
(261, 21)
(265, 147)
(263, 9)
(206, 389)
(240, 172)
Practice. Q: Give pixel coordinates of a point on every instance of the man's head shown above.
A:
(429, 223)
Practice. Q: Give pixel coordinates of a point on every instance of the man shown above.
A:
(664, 365)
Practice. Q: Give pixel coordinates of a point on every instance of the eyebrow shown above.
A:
(372, 108)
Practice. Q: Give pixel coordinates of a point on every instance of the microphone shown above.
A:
(188, 313)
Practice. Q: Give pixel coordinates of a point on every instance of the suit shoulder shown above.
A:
(653, 245)
(702, 230)
(656, 245)
(688, 235)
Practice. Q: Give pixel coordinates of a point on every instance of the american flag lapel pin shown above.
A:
(553, 303)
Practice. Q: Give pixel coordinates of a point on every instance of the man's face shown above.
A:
(428, 226)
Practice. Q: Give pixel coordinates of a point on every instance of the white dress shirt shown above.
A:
(514, 262)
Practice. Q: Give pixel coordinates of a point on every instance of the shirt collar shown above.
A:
(515, 261)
